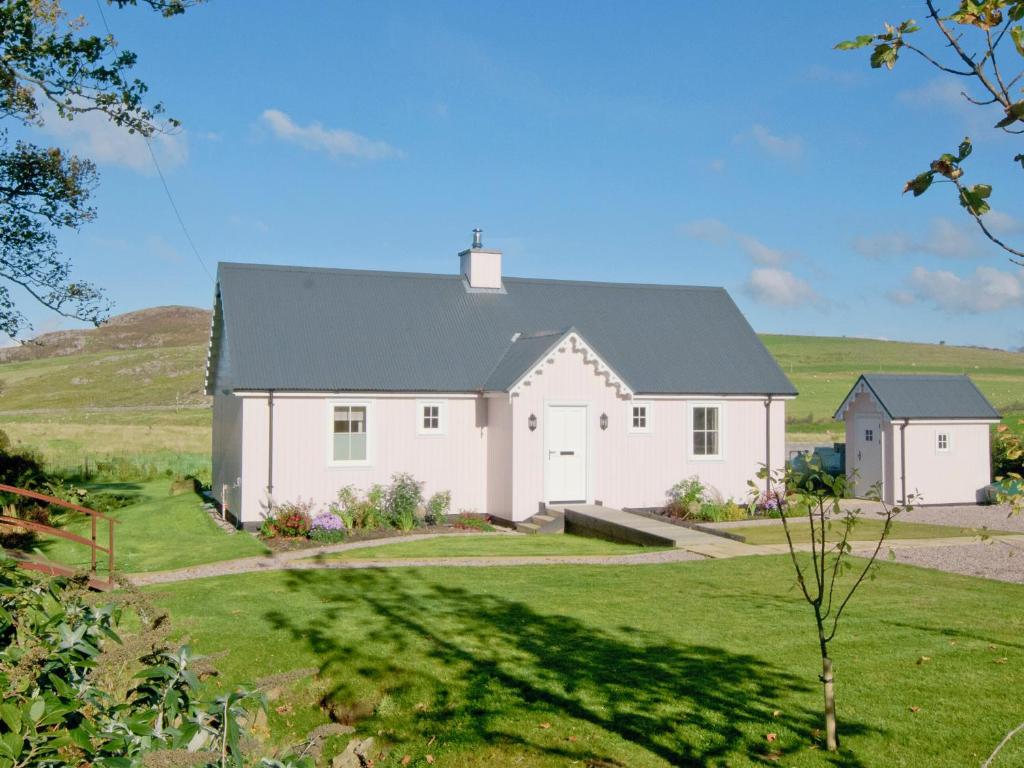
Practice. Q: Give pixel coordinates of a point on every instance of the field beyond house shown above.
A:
(134, 388)
(825, 368)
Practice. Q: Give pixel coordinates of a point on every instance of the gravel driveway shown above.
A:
(990, 559)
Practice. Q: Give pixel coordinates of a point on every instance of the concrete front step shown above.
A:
(549, 521)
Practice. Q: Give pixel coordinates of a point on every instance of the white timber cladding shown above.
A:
(486, 454)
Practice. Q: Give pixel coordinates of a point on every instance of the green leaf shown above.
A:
(884, 55)
(858, 42)
(1017, 33)
(919, 184)
(965, 149)
(36, 710)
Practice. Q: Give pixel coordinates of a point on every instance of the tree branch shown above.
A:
(977, 70)
(1019, 261)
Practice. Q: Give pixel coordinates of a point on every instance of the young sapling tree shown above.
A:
(824, 563)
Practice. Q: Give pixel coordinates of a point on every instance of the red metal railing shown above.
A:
(94, 548)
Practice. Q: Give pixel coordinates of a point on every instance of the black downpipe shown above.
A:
(270, 443)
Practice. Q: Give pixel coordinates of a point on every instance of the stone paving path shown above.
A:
(696, 546)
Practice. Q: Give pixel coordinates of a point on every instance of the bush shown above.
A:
(766, 505)
(466, 522)
(288, 520)
(686, 498)
(402, 501)
(67, 700)
(327, 528)
(438, 506)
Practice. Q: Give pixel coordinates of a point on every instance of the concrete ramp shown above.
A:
(614, 524)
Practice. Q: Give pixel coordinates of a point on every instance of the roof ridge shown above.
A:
(455, 276)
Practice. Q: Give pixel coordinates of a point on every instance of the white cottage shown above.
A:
(509, 392)
(924, 435)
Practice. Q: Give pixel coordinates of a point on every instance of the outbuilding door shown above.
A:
(868, 453)
(565, 453)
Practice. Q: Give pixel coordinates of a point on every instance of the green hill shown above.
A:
(135, 385)
(824, 368)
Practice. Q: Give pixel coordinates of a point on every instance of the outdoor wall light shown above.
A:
(604, 421)
(532, 422)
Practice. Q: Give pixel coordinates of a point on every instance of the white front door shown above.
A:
(565, 446)
(868, 456)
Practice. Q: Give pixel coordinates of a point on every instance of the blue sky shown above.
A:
(643, 142)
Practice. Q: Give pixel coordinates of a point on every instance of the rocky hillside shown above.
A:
(155, 328)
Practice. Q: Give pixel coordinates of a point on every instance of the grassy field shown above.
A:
(864, 530)
(494, 546)
(157, 532)
(691, 664)
(824, 369)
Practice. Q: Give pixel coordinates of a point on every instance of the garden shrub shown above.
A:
(67, 697)
(766, 505)
(289, 519)
(686, 498)
(327, 528)
(438, 506)
(402, 501)
(467, 522)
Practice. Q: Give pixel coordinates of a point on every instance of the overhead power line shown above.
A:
(159, 171)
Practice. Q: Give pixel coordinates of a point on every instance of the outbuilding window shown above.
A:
(869, 435)
(350, 438)
(942, 441)
(706, 421)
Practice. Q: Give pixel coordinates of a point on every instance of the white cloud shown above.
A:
(901, 297)
(92, 135)
(944, 238)
(987, 290)
(942, 92)
(769, 285)
(717, 232)
(786, 147)
(334, 141)
(717, 165)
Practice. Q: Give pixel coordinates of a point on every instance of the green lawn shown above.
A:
(864, 530)
(157, 532)
(494, 546)
(679, 664)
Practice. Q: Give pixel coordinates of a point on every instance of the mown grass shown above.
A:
(824, 369)
(493, 546)
(697, 664)
(863, 530)
(155, 533)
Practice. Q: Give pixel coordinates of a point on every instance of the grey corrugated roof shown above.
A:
(292, 328)
(526, 350)
(924, 396)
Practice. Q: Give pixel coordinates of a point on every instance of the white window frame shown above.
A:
(949, 441)
(720, 456)
(371, 429)
(648, 417)
(442, 418)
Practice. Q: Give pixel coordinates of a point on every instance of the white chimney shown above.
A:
(481, 267)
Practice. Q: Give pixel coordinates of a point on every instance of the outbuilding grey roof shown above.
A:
(925, 396)
(333, 330)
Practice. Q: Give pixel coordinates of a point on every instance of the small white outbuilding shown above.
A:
(920, 435)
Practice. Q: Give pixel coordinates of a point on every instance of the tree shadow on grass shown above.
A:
(477, 661)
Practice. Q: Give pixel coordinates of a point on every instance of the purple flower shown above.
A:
(328, 521)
